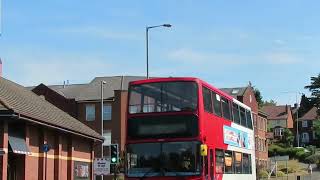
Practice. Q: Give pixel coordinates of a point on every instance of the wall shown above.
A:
(65, 150)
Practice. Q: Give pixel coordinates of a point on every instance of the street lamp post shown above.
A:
(297, 117)
(147, 42)
(102, 83)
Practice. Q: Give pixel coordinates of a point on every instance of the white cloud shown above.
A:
(279, 42)
(281, 58)
(192, 57)
(49, 68)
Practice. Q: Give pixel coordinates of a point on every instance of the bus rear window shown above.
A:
(163, 97)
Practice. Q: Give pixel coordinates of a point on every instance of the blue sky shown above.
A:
(273, 44)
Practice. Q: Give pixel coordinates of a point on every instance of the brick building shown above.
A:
(279, 118)
(246, 96)
(28, 124)
(306, 132)
(83, 101)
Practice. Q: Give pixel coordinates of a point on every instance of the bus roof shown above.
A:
(169, 79)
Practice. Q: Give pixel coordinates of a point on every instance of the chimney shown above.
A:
(295, 105)
(0, 68)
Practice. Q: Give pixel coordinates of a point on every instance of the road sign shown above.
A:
(279, 158)
(101, 166)
(46, 148)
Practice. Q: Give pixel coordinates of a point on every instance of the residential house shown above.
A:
(306, 132)
(279, 118)
(246, 95)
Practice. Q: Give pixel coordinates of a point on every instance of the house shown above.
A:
(40, 141)
(83, 101)
(246, 95)
(306, 132)
(279, 118)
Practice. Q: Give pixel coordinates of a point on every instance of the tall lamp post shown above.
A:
(147, 42)
(297, 116)
(102, 83)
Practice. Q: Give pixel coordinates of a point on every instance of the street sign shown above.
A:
(46, 148)
(279, 158)
(101, 166)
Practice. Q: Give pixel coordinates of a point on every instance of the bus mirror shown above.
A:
(203, 150)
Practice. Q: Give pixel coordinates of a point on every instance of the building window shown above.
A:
(314, 135)
(304, 123)
(107, 112)
(278, 131)
(305, 137)
(107, 138)
(90, 112)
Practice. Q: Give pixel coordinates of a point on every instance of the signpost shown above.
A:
(46, 149)
(101, 166)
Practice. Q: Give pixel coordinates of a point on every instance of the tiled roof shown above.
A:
(276, 112)
(91, 91)
(310, 115)
(24, 102)
(236, 91)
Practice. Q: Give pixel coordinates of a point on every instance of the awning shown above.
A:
(18, 145)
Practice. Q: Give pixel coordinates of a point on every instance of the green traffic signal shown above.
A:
(114, 153)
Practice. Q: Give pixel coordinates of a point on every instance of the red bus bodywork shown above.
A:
(210, 127)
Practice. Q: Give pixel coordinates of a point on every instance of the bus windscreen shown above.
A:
(163, 97)
(163, 159)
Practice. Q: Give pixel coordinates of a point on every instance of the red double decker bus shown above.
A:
(185, 128)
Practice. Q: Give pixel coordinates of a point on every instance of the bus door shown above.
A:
(211, 164)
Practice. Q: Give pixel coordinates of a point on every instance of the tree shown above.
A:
(258, 96)
(270, 103)
(316, 128)
(287, 137)
(314, 88)
(305, 105)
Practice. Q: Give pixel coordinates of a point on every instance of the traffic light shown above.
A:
(114, 153)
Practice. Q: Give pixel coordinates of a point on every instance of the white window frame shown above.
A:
(107, 135)
(91, 107)
(278, 131)
(304, 123)
(107, 112)
(304, 137)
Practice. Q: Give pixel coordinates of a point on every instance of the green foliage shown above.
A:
(314, 88)
(270, 103)
(302, 155)
(263, 174)
(316, 127)
(287, 138)
(280, 174)
(258, 96)
(305, 105)
(292, 152)
(314, 158)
